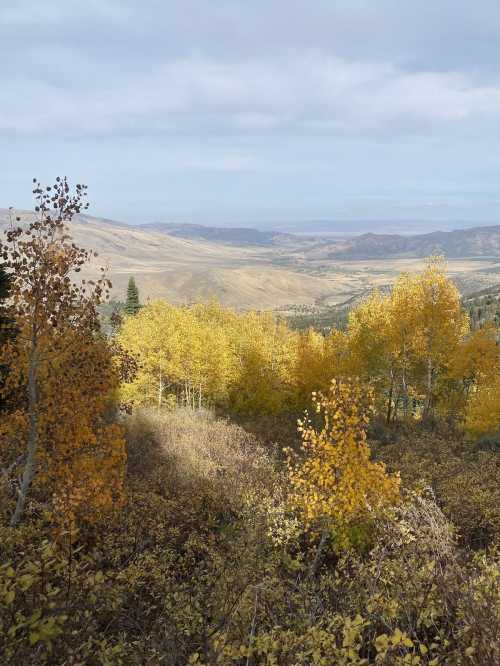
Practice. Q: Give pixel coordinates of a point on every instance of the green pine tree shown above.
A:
(132, 305)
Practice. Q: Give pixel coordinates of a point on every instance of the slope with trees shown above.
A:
(164, 534)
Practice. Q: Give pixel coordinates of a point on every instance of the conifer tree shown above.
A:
(132, 305)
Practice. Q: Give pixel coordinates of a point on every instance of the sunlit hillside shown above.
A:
(292, 270)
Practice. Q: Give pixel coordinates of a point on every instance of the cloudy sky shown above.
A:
(256, 111)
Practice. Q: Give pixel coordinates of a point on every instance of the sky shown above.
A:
(368, 114)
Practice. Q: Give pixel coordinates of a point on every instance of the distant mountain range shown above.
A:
(248, 268)
(475, 242)
(478, 241)
(481, 241)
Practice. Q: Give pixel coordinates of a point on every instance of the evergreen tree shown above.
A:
(132, 306)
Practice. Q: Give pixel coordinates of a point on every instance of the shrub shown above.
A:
(463, 476)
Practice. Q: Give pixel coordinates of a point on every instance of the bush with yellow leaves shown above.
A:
(208, 564)
(336, 483)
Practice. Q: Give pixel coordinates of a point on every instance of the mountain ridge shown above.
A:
(474, 241)
(226, 235)
(250, 269)
(481, 240)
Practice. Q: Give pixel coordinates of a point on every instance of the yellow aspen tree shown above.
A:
(401, 323)
(216, 367)
(337, 354)
(60, 369)
(370, 355)
(312, 371)
(474, 364)
(476, 358)
(335, 482)
(154, 337)
(367, 337)
(483, 409)
(441, 324)
(265, 351)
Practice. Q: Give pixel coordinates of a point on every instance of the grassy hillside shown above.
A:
(263, 270)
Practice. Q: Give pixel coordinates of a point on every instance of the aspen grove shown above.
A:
(414, 345)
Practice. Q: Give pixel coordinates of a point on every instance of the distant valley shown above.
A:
(248, 268)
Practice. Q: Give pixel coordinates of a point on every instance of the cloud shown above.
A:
(311, 92)
(361, 94)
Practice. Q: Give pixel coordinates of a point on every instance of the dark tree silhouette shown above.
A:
(132, 305)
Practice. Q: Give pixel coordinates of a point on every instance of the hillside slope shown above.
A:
(244, 268)
(475, 242)
(225, 235)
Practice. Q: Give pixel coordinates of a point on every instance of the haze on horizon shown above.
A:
(257, 114)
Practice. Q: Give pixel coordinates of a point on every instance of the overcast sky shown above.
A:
(256, 112)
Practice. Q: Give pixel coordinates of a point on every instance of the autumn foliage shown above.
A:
(171, 533)
(413, 344)
(57, 442)
(336, 482)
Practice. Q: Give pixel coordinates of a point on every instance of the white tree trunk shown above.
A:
(32, 444)
(160, 391)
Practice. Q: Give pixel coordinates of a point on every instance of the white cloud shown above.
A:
(189, 94)
(302, 102)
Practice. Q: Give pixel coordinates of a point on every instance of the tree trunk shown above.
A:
(428, 404)
(314, 566)
(160, 391)
(389, 401)
(404, 386)
(395, 411)
(32, 444)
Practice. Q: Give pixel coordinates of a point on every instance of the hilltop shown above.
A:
(475, 242)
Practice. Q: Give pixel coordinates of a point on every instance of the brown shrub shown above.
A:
(463, 477)
(207, 565)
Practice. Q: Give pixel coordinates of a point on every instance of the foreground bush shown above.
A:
(336, 485)
(463, 474)
(207, 564)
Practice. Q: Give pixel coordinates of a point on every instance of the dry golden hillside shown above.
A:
(287, 271)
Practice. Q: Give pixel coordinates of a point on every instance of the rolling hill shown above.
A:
(246, 268)
(475, 242)
(226, 235)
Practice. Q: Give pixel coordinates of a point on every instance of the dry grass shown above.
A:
(193, 447)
